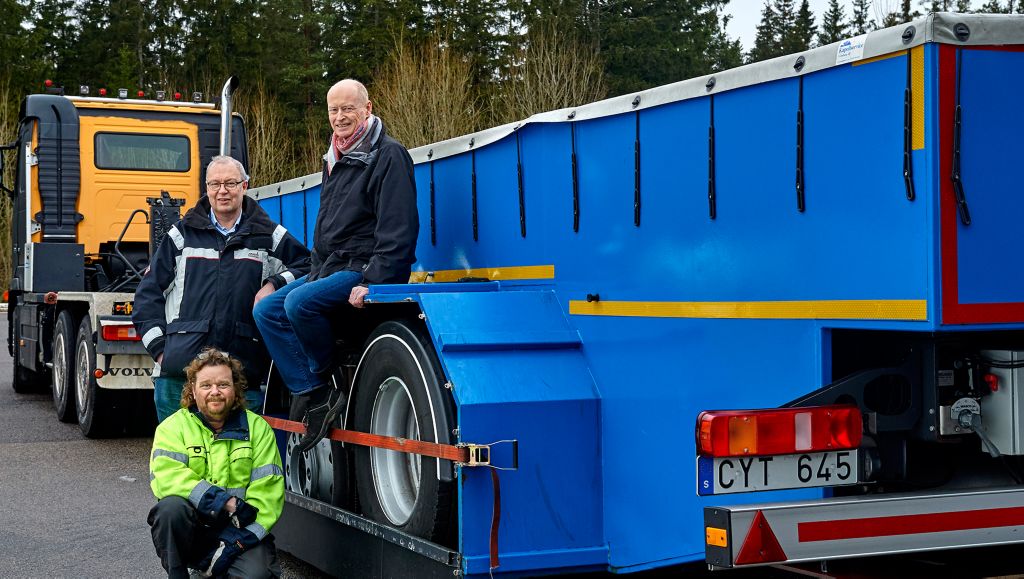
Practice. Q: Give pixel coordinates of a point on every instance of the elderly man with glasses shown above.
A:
(214, 265)
(365, 233)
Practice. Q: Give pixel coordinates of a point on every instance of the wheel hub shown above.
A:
(396, 475)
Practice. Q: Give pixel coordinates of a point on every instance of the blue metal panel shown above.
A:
(312, 197)
(293, 216)
(517, 373)
(273, 207)
(991, 265)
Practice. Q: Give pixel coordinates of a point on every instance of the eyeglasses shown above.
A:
(229, 185)
(348, 110)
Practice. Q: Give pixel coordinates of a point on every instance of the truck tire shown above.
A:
(399, 392)
(64, 334)
(92, 401)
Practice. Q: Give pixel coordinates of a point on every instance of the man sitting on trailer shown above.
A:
(217, 476)
(365, 233)
(200, 287)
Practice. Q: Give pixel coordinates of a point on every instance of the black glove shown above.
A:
(233, 542)
(244, 514)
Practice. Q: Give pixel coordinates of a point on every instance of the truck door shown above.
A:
(124, 161)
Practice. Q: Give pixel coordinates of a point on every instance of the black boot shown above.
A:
(324, 405)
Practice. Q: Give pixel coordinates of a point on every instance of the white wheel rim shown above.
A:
(396, 475)
(82, 379)
(310, 474)
(60, 363)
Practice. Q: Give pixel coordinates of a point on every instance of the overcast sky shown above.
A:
(747, 13)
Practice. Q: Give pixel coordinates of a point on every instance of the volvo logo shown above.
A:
(130, 372)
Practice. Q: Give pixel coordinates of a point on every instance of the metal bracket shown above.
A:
(480, 454)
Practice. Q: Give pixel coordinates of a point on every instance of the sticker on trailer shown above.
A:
(851, 49)
(747, 474)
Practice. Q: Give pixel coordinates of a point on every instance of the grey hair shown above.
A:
(228, 160)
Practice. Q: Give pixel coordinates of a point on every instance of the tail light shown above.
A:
(124, 332)
(778, 431)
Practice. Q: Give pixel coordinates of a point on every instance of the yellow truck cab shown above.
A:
(98, 181)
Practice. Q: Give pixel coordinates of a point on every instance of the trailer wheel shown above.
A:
(399, 392)
(64, 367)
(91, 400)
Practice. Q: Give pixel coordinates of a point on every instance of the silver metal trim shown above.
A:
(937, 28)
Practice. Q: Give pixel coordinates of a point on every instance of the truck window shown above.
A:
(135, 152)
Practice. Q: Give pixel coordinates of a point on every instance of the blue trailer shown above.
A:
(831, 235)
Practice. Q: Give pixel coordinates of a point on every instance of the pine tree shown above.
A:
(646, 44)
(861, 22)
(804, 29)
(766, 41)
(833, 24)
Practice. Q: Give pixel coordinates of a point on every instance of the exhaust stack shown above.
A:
(225, 114)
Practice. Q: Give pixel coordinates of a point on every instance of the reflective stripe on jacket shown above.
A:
(207, 469)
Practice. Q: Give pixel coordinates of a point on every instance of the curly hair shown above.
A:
(214, 357)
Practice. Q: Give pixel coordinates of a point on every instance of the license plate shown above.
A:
(745, 474)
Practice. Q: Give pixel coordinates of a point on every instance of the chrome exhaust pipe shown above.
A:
(225, 114)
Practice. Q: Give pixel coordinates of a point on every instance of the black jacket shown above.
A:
(198, 290)
(367, 220)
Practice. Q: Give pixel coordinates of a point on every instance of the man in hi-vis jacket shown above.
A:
(216, 473)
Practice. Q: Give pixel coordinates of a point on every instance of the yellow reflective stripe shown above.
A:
(877, 58)
(915, 310)
(491, 273)
(917, 97)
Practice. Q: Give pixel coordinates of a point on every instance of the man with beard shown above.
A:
(216, 473)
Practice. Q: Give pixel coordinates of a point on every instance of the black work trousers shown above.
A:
(182, 540)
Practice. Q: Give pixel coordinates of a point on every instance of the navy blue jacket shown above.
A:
(199, 288)
(367, 220)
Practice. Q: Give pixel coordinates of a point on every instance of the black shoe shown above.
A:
(319, 417)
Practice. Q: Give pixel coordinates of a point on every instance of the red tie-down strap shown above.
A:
(464, 454)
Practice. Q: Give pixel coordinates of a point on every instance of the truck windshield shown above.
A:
(137, 152)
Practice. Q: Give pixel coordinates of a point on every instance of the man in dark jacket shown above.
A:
(365, 233)
(223, 256)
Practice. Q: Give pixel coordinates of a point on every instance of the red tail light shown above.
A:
(114, 333)
(778, 431)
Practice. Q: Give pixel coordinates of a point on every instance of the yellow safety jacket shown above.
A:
(190, 461)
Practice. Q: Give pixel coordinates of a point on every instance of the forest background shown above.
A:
(435, 68)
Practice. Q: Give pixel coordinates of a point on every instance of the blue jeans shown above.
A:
(295, 324)
(167, 396)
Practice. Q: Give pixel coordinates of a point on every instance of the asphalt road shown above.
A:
(70, 506)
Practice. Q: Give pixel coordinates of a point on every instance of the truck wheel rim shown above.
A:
(60, 369)
(396, 475)
(82, 378)
(310, 474)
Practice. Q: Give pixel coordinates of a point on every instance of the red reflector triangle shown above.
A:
(760, 546)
